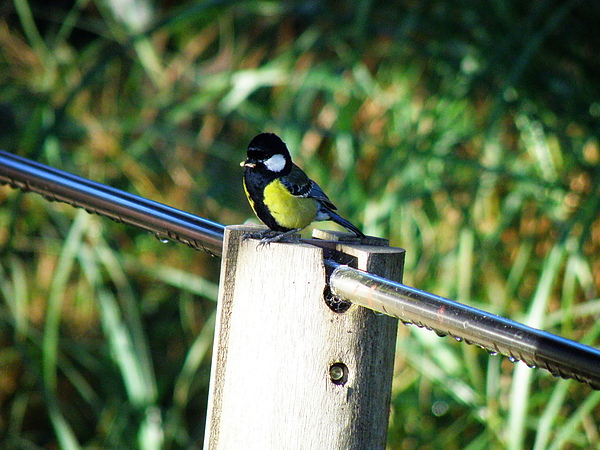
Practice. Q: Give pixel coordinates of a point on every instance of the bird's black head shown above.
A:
(267, 153)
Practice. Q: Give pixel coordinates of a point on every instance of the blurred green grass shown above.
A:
(465, 132)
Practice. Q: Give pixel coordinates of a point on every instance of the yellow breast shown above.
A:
(289, 211)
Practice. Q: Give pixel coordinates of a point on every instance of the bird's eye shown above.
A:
(256, 155)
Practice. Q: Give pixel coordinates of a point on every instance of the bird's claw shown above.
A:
(259, 235)
(268, 236)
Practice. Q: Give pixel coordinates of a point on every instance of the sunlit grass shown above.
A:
(466, 134)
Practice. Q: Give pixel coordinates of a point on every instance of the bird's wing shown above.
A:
(297, 182)
(317, 193)
(299, 185)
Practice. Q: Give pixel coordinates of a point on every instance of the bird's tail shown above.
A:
(346, 224)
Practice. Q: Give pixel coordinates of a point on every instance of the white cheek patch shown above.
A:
(275, 163)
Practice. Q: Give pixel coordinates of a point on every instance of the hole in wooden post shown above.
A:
(336, 304)
(338, 372)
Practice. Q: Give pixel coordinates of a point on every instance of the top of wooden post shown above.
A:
(288, 371)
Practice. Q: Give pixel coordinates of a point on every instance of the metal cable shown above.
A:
(561, 357)
(165, 222)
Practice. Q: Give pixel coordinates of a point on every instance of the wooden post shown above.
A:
(287, 371)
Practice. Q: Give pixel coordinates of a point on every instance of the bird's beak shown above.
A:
(247, 163)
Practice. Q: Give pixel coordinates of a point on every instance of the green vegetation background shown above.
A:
(466, 132)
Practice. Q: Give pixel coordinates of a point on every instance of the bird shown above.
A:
(281, 195)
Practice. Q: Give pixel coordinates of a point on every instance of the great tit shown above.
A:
(280, 193)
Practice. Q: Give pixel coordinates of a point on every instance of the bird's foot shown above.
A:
(259, 235)
(268, 236)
